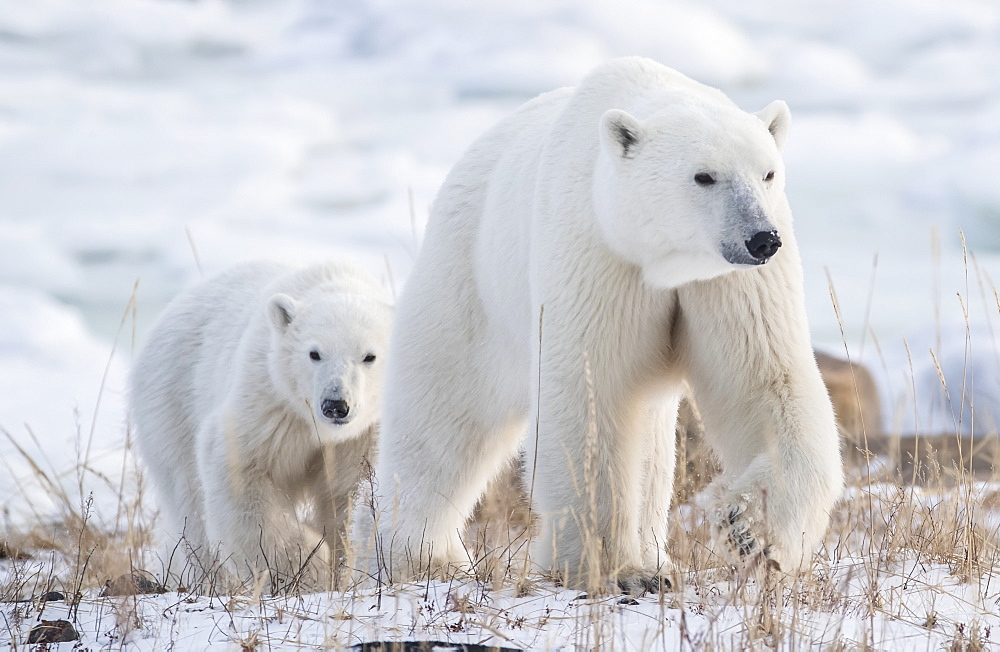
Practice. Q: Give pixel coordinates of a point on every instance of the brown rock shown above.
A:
(136, 583)
(52, 631)
(856, 404)
(10, 551)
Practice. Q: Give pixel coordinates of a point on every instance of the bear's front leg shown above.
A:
(744, 344)
(247, 518)
(332, 478)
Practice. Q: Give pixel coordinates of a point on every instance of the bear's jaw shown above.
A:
(679, 268)
(331, 431)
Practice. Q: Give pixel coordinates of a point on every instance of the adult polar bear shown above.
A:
(619, 231)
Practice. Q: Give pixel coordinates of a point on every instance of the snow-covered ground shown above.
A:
(908, 604)
(145, 143)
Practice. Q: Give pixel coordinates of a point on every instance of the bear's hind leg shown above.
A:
(426, 491)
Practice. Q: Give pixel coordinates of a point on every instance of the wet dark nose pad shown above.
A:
(764, 244)
(337, 409)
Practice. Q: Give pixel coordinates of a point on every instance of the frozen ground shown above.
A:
(904, 594)
(154, 141)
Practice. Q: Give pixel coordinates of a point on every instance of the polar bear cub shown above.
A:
(590, 258)
(257, 394)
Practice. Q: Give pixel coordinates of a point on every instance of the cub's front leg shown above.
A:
(250, 521)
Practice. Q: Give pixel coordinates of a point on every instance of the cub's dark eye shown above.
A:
(370, 358)
(704, 179)
(769, 176)
(314, 355)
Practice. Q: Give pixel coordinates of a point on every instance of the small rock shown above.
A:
(8, 551)
(52, 596)
(629, 600)
(137, 583)
(855, 397)
(52, 631)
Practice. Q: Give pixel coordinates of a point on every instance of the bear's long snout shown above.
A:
(763, 245)
(335, 409)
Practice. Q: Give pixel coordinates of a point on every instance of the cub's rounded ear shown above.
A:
(622, 135)
(281, 310)
(777, 117)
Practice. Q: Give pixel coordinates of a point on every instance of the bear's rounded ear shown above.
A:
(621, 134)
(281, 310)
(777, 117)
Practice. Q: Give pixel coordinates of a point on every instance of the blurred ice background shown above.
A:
(155, 141)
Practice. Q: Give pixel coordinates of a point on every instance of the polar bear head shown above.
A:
(692, 191)
(327, 359)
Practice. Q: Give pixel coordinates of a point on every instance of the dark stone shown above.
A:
(137, 583)
(8, 551)
(52, 631)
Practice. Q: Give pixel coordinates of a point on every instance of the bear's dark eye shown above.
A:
(704, 179)
(314, 355)
(769, 176)
(370, 358)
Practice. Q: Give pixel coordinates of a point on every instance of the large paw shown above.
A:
(740, 528)
(641, 583)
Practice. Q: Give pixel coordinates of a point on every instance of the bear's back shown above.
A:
(184, 366)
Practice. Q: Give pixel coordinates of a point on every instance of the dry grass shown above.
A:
(921, 559)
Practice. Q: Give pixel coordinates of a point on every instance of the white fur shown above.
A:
(228, 408)
(581, 211)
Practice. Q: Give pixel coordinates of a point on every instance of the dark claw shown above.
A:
(659, 585)
(653, 584)
(743, 541)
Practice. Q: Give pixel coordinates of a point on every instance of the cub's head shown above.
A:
(693, 191)
(327, 359)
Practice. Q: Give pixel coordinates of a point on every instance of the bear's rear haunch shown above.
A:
(590, 256)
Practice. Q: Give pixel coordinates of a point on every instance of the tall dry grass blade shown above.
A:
(866, 324)
(389, 276)
(194, 250)
(51, 482)
(944, 387)
(936, 283)
(983, 280)
(591, 541)
(847, 352)
(104, 382)
(413, 221)
(534, 457)
(38, 472)
(916, 416)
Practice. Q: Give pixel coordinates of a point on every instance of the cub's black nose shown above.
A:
(335, 409)
(763, 245)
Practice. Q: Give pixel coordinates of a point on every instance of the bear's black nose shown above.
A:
(337, 409)
(763, 245)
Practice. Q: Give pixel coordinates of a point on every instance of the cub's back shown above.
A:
(187, 360)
